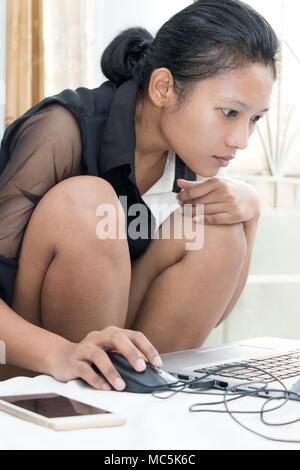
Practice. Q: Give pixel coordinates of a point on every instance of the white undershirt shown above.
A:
(160, 198)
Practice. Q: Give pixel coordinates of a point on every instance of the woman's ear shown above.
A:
(161, 87)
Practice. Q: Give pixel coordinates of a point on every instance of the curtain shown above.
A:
(24, 57)
(2, 64)
(71, 50)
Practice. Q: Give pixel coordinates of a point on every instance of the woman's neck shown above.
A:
(150, 145)
(151, 151)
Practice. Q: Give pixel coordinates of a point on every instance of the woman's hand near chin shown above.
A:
(227, 201)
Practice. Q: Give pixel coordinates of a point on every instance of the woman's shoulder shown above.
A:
(90, 101)
(65, 106)
(82, 101)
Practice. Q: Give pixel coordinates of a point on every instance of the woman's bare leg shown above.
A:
(57, 284)
(69, 281)
(179, 306)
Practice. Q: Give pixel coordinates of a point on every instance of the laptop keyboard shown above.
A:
(282, 366)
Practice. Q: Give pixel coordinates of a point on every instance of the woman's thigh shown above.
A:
(62, 228)
(191, 245)
(174, 238)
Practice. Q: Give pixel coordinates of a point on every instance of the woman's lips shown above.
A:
(223, 161)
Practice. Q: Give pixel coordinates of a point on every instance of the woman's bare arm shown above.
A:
(27, 345)
(33, 348)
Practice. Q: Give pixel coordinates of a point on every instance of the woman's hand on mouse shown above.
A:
(227, 201)
(74, 360)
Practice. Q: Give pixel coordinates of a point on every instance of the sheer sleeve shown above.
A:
(44, 150)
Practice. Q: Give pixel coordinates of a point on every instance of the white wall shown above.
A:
(115, 15)
(2, 63)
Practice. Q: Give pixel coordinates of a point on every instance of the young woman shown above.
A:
(174, 112)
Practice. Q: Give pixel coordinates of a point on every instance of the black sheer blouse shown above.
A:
(76, 132)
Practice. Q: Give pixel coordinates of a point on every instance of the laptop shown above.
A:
(280, 357)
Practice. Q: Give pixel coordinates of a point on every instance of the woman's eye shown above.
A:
(229, 112)
(257, 118)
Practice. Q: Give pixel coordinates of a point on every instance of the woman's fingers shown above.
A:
(133, 345)
(87, 373)
(219, 219)
(106, 367)
(216, 207)
(89, 353)
(193, 190)
(144, 345)
(211, 198)
(139, 346)
(242, 200)
(208, 209)
(76, 360)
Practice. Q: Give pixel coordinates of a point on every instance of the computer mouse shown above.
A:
(152, 378)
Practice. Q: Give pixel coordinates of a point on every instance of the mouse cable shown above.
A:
(204, 383)
(260, 392)
(284, 395)
(262, 412)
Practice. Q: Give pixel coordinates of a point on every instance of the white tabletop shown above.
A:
(151, 423)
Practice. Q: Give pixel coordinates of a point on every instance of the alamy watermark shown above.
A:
(111, 225)
(2, 353)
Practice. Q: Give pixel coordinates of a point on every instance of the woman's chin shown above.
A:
(207, 169)
(208, 173)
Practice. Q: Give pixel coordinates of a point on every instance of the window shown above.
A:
(272, 161)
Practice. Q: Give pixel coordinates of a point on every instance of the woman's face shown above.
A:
(218, 117)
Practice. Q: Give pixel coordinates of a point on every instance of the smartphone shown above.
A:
(59, 412)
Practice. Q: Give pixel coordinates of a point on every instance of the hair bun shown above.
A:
(123, 53)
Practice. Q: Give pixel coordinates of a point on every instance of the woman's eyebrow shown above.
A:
(235, 100)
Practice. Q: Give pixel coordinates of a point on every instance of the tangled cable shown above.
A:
(235, 392)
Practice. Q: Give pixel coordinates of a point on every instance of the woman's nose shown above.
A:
(238, 138)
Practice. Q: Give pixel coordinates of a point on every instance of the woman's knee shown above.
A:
(80, 196)
(226, 245)
(229, 239)
(70, 211)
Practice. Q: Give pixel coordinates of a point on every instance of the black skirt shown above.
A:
(8, 272)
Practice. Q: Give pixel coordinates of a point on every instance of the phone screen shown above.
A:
(53, 406)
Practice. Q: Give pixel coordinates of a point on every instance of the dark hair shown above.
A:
(206, 38)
